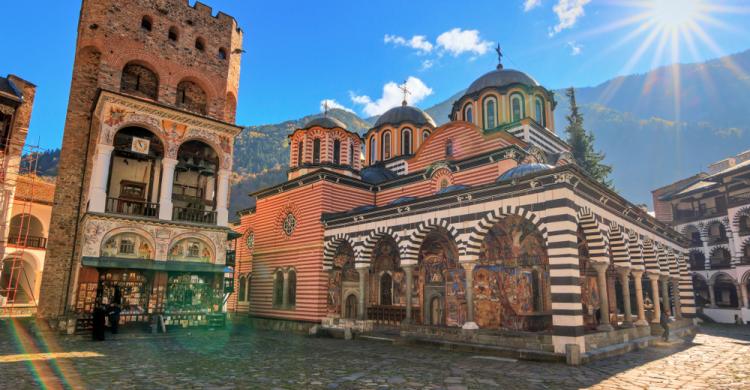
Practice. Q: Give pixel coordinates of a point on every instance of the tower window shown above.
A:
(173, 34)
(139, 80)
(222, 54)
(200, 44)
(373, 150)
(540, 116)
(351, 154)
(490, 113)
(386, 153)
(337, 152)
(516, 103)
(299, 153)
(425, 135)
(468, 113)
(406, 141)
(191, 96)
(316, 151)
(146, 23)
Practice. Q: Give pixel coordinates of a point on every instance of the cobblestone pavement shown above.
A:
(240, 357)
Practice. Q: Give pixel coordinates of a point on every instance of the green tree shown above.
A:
(582, 144)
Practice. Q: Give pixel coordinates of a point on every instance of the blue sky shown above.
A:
(300, 52)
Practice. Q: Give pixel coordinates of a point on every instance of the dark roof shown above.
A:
(403, 199)
(325, 122)
(523, 170)
(8, 90)
(376, 174)
(455, 187)
(405, 114)
(500, 78)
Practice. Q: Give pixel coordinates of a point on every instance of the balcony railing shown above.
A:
(739, 199)
(137, 208)
(745, 260)
(696, 243)
(717, 240)
(682, 215)
(27, 241)
(194, 215)
(720, 262)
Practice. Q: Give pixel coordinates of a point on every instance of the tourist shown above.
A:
(99, 318)
(664, 322)
(114, 310)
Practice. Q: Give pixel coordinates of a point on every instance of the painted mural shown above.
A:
(441, 283)
(511, 282)
(343, 271)
(386, 281)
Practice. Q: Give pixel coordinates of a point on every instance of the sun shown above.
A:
(674, 14)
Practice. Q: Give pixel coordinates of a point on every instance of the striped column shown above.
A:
(674, 278)
(652, 270)
(562, 250)
(687, 297)
(663, 260)
(621, 258)
(637, 270)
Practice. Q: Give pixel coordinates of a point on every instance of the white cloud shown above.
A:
(333, 104)
(568, 12)
(392, 96)
(528, 5)
(427, 64)
(457, 42)
(575, 48)
(417, 42)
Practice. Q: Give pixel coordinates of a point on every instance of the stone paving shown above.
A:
(240, 357)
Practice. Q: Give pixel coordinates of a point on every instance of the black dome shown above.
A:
(404, 114)
(523, 170)
(376, 174)
(325, 122)
(500, 78)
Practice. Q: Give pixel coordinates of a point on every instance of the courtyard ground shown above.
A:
(241, 357)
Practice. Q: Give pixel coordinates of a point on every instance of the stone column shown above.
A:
(601, 278)
(654, 278)
(469, 324)
(711, 295)
(99, 176)
(408, 275)
(285, 293)
(361, 312)
(744, 297)
(676, 296)
(167, 180)
(623, 272)
(740, 304)
(665, 302)
(222, 191)
(637, 282)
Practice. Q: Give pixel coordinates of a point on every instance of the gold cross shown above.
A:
(405, 90)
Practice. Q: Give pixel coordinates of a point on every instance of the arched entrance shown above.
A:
(700, 288)
(195, 185)
(511, 282)
(351, 307)
(386, 285)
(343, 281)
(590, 297)
(27, 230)
(18, 281)
(725, 291)
(440, 280)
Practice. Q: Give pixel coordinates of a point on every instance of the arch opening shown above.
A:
(191, 97)
(140, 81)
(343, 281)
(195, 185)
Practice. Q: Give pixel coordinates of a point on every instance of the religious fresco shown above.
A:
(343, 271)
(590, 298)
(439, 276)
(511, 282)
(385, 260)
(455, 297)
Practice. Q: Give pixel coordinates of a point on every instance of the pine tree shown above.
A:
(582, 144)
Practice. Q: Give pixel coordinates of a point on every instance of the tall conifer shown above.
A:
(582, 143)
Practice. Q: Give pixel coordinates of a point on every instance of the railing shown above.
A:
(720, 262)
(132, 207)
(27, 241)
(680, 215)
(696, 243)
(739, 199)
(187, 191)
(744, 231)
(392, 315)
(698, 266)
(744, 260)
(717, 240)
(194, 215)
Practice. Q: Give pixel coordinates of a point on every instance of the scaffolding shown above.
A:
(17, 161)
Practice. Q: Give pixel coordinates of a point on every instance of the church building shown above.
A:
(482, 230)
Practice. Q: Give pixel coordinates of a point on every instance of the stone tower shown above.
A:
(163, 66)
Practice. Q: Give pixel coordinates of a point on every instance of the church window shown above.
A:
(146, 23)
(316, 151)
(448, 148)
(222, 54)
(139, 80)
(300, 149)
(406, 141)
(337, 152)
(194, 250)
(173, 34)
(516, 102)
(200, 44)
(490, 113)
(386, 153)
(540, 116)
(250, 240)
(351, 154)
(373, 150)
(243, 290)
(278, 288)
(386, 289)
(425, 135)
(191, 97)
(292, 287)
(127, 247)
(289, 224)
(469, 113)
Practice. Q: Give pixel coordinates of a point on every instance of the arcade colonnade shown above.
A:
(577, 257)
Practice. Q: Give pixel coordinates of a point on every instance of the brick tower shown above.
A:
(152, 106)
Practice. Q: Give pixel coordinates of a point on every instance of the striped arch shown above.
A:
(661, 259)
(649, 256)
(674, 271)
(594, 237)
(687, 297)
(636, 251)
(372, 239)
(618, 243)
(743, 212)
(473, 244)
(412, 244)
(332, 245)
(719, 274)
(707, 225)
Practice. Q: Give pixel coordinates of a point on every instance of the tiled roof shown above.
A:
(35, 188)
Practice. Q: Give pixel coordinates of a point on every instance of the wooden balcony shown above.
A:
(188, 214)
(138, 208)
(34, 242)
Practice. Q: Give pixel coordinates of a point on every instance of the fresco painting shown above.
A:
(343, 270)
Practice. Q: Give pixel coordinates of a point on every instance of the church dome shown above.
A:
(499, 78)
(523, 170)
(325, 122)
(405, 114)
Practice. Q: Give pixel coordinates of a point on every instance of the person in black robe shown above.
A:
(99, 318)
(114, 310)
(664, 322)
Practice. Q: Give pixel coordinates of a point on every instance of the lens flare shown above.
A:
(675, 14)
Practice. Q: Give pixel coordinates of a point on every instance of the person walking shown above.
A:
(664, 322)
(114, 310)
(99, 318)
